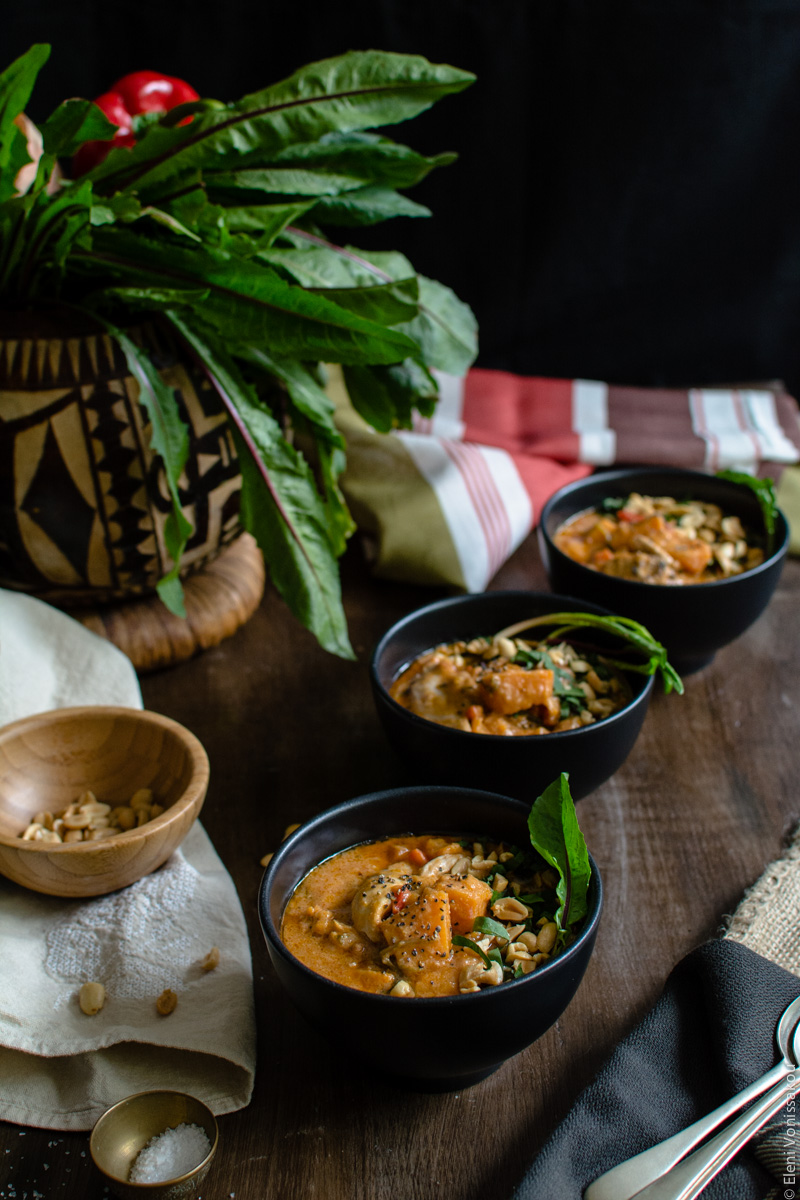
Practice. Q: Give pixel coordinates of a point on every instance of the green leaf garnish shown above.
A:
(491, 927)
(612, 504)
(625, 628)
(556, 835)
(468, 944)
(765, 494)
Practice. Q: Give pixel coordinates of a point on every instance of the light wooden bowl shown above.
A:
(48, 760)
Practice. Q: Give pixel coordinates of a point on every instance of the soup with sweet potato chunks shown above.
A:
(425, 916)
(658, 539)
(511, 686)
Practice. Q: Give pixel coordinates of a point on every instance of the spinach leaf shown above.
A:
(765, 494)
(280, 504)
(625, 628)
(16, 85)
(487, 925)
(73, 123)
(556, 835)
(571, 697)
(170, 440)
(216, 225)
(612, 504)
(468, 944)
(532, 658)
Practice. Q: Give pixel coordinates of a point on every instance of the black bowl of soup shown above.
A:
(696, 586)
(435, 1042)
(497, 753)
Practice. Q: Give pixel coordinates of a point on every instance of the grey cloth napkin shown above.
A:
(711, 1033)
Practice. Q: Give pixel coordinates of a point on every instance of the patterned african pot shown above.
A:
(83, 499)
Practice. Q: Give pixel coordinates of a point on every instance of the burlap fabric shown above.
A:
(768, 917)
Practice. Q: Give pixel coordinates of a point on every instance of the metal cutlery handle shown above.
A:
(625, 1180)
(691, 1175)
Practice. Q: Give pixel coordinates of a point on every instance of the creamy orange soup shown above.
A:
(657, 539)
(511, 687)
(388, 916)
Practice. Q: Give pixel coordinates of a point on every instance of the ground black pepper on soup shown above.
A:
(425, 916)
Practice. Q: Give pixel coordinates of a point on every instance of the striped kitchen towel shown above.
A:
(447, 502)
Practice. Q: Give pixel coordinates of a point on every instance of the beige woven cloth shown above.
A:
(60, 1069)
(767, 919)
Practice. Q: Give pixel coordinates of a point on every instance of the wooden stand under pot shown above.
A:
(83, 501)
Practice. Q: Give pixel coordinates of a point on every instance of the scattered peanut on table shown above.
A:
(88, 819)
(289, 829)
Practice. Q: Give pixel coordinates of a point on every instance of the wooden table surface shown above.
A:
(704, 801)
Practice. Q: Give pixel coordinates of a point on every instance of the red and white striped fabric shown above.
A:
(577, 420)
(500, 444)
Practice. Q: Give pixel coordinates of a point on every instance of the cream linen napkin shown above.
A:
(59, 1068)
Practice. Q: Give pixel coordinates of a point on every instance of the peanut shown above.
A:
(211, 960)
(91, 998)
(546, 938)
(77, 820)
(289, 829)
(88, 819)
(166, 1002)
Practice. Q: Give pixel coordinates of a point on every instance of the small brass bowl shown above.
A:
(128, 1126)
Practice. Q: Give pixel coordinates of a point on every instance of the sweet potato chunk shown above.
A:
(693, 554)
(421, 937)
(516, 689)
(423, 923)
(469, 898)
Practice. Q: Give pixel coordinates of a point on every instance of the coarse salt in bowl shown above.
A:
(158, 1143)
(170, 1154)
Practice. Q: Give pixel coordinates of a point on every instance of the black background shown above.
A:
(626, 203)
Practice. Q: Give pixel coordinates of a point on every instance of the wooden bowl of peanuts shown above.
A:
(94, 798)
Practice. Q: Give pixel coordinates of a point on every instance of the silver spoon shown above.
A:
(625, 1180)
(689, 1177)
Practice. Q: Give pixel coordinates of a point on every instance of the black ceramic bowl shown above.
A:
(693, 621)
(515, 766)
(441, 1043)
